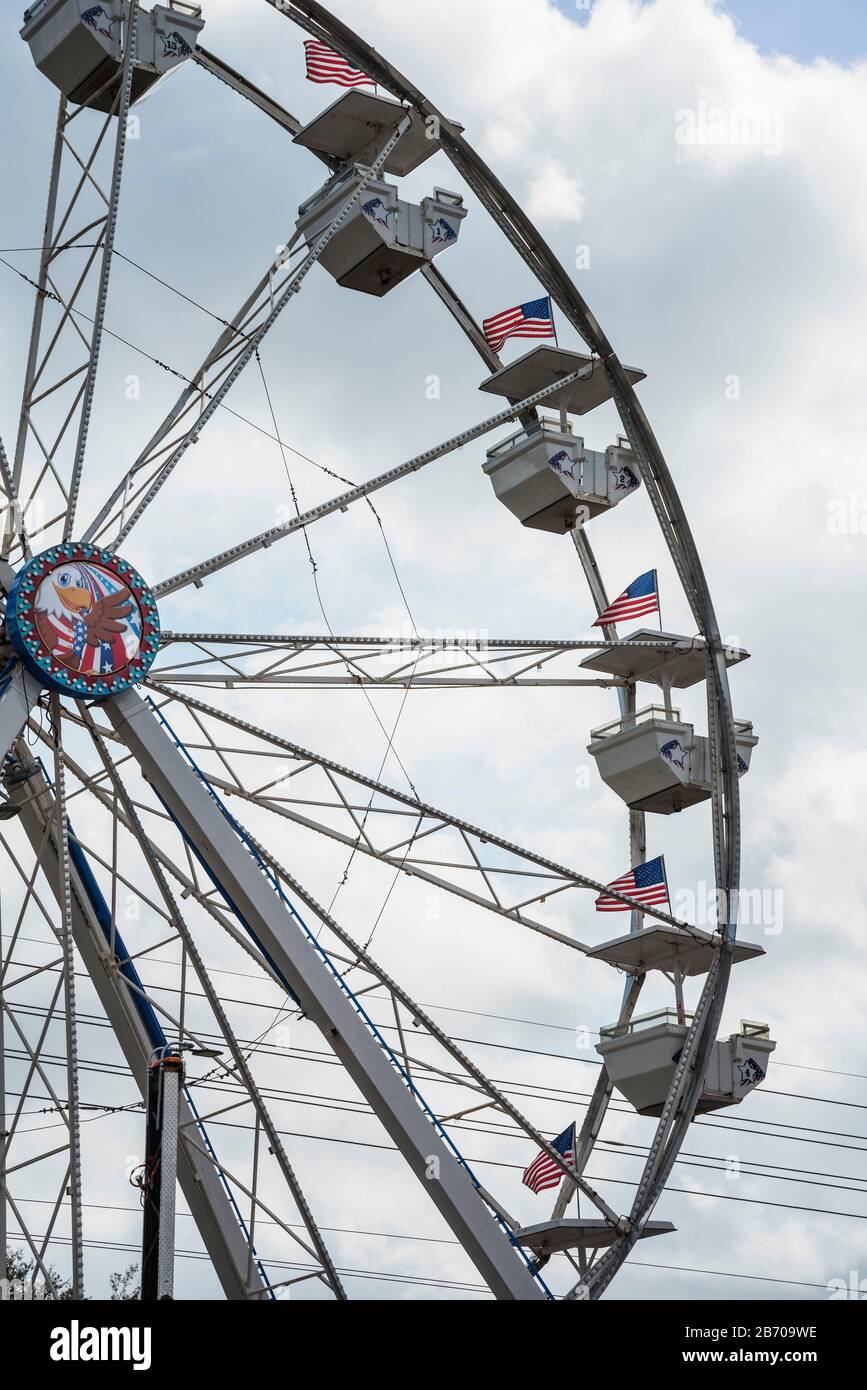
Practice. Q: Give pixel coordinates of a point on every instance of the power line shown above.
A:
(451, 1008)
(446, 1240)
(344, 1106)
(548, 1094)
(617, 1148)
(485, 1042)
(410, 1280)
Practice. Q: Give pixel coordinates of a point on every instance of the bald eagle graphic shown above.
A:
(443, 232)
(376, 210)
(97, 18)
(87, 619)
(176, 46)
(562, 462)
(674, 752)
(750, 1072)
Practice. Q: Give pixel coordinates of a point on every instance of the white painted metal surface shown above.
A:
(358, 123)
(542, 366)
(641, 1058)
(551, 482)
(78, 56)
(548, 1238)
(385, 239)
(655, 761)
(18, 694)
(659, 947)
(674, 660)
(78, 45)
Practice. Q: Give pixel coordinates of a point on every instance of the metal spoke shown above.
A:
(421, 1017)
(462, 316)
(243, 1069)
(196, 573)
(559, 873)
(107, 235)
(266, 662)
(255, 338)
(234, 79)
(187, 882)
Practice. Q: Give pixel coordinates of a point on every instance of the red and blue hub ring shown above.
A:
(83, 622)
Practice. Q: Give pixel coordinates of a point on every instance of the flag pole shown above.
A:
(658, 603)
(553, 324)
(564, 414)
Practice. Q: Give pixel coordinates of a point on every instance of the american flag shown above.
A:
(646, 883)
(543, 1172)
(324, 65)
(531, 320)
(640, 597)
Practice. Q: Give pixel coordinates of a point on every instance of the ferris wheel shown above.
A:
(130, 770)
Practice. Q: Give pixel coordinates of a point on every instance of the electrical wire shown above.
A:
(466, 1041)
(479, 1161)
(444, 1240)
(617, 1148)
(454, 1009)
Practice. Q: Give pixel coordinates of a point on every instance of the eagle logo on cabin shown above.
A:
(87, 619)
(376, 210)
(625, 480)
(443, 232)
(562, 462)
(176, 46)
(750, 1072)
(96, 18)
(674, 752)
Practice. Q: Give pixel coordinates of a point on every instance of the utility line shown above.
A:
(616, 1148)
(478, 1042)
(445, 1240)
(451, 1008)
(549, 1094)
(339, 1105)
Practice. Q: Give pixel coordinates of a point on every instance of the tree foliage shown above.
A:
(25, 1281)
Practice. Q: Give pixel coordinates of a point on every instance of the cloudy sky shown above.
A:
(733, 272)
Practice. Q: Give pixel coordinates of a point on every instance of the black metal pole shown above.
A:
(165, 1071)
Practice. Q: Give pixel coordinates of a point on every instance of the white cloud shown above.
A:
(554, 195)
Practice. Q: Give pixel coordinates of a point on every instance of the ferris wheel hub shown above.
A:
(83, 621)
